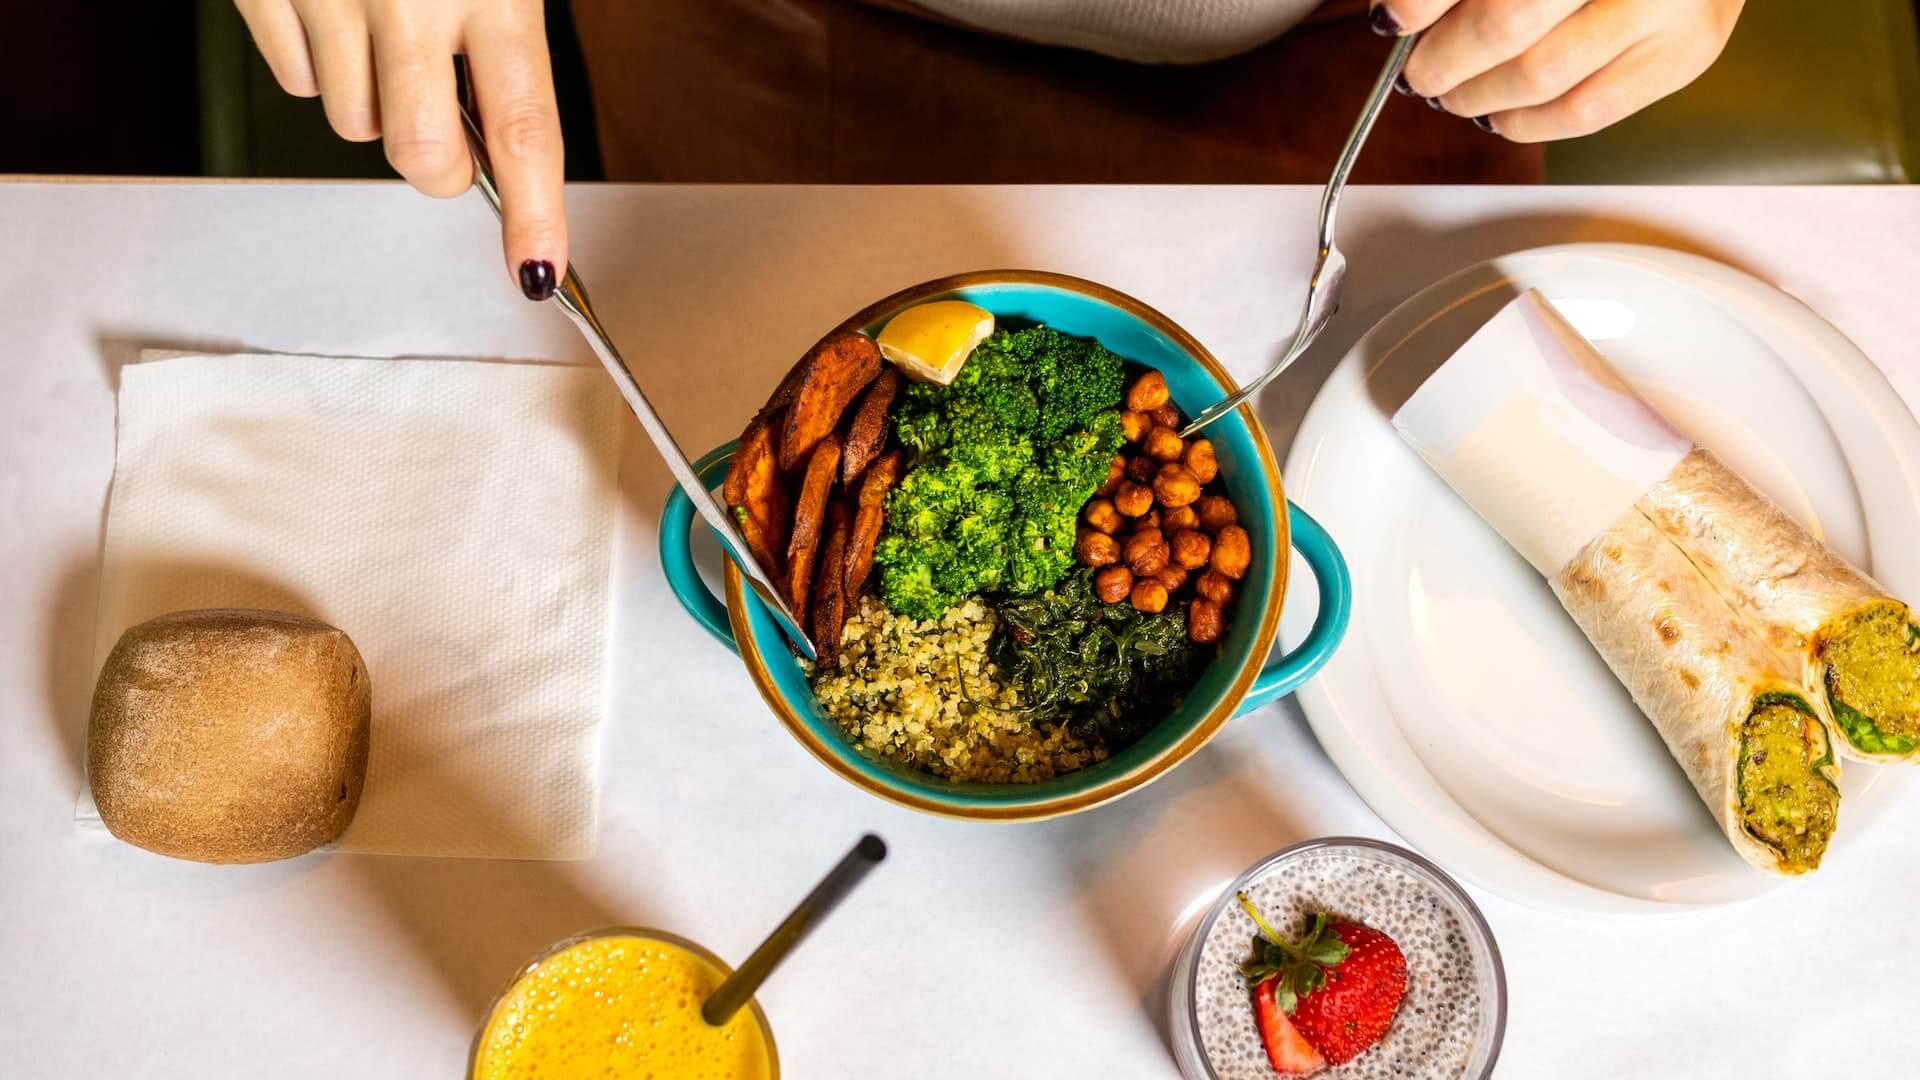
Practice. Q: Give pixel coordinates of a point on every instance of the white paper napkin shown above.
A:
(455, 518)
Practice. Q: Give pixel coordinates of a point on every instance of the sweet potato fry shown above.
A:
(871, 515)
(837, 370)
(784, 393)
(808, 514)
(868, 435)
(829, 593)
(753, 491)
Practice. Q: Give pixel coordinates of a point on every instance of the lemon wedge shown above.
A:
(931, 341)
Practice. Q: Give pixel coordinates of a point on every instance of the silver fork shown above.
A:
(571, 295)
(1330, 270)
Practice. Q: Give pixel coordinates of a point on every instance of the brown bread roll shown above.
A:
(229, 736)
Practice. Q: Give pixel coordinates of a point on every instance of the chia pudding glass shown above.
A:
(1455, 1012)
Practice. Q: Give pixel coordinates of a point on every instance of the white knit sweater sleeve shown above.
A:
(1148, 31)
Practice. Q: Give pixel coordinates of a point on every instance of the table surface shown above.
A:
(1002, 950)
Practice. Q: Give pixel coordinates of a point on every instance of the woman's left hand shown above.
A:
(1534, 70)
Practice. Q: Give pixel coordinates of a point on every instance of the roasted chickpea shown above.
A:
(1164, 444)
(1113, 584)
(1101, 515)
(1216, 512)
(1133, 499)
(1116, 472)
(1174, 486)
(1093, 548)
(1179, 517)
(1148, 520)
(1172, 577)
(1200, 461)
(1146, 552)
(1214, 586)
(1166, 416)
(1148, 392)
(1134, 424)
(1205, 621)
(1190, 548)
(1232, 552)
(1150, 597)
(1141, 468)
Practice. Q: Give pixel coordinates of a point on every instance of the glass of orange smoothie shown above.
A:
(624, 1001)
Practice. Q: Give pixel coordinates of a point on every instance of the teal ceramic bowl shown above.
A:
(1241, 677)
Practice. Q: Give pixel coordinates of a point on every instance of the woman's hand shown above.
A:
(384, 69)
(1534, 70)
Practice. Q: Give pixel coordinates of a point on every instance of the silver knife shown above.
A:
(572, 298)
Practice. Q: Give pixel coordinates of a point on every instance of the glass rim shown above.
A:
(1477, 922)
(646, 932)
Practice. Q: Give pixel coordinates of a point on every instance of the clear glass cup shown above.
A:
(1488, 973)
(760, 1025)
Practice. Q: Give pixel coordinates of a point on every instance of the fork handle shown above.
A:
(1310, 327)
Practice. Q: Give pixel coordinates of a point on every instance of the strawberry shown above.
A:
(1353, 1010)
(1290, 1053)
(1340, 985)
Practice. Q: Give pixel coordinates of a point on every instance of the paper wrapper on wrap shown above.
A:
(1531, 426)
(1789, 586)
(456, 518)
(1541, 437)
(1692, 665)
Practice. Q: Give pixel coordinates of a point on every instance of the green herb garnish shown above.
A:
(1107, 671)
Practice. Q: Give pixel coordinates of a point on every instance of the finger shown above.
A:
(1587, 41)
(1479, 35)
(282, 41)
(419, 114)
(513, 84)
(1637, 78)
(343, 66)
(1401, 17)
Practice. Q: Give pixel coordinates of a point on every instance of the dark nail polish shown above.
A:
(1401, 85)
(1483, 124)
(536, 279)
(1383, 22)
(1434, 104)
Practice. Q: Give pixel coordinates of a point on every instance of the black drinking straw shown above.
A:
(741, 985)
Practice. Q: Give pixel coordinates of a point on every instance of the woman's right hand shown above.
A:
(384, 70)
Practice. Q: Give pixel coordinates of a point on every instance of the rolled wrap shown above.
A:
(1692, 665)
(1532, 427)
(1802, 598)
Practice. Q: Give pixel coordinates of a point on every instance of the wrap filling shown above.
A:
(1871, 661)
(1786, 800)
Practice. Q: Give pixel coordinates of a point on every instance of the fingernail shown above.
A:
(536, 279)
(1383, 22)
(1484, 124)
(1401, 85)
(1434, 104)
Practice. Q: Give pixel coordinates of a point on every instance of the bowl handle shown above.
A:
(1329, 567)
(676, 550)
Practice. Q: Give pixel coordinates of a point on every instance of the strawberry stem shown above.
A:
(1260, 921)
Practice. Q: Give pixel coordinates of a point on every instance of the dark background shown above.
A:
(1809, 91)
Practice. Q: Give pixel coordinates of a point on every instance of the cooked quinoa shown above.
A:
(898, 692)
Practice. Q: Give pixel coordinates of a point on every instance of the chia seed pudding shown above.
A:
(1454, 1013)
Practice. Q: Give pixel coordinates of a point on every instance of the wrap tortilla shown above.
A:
(1837, 630)
(1735, 718)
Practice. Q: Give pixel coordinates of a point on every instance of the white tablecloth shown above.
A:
(976, 950)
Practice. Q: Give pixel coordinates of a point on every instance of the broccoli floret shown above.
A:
(1007, 456)
(1084, 382)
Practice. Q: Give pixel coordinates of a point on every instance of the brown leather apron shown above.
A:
(846, 91)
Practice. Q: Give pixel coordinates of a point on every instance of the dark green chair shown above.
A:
(1807, 92)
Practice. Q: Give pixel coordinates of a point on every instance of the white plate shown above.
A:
(1465, 707)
